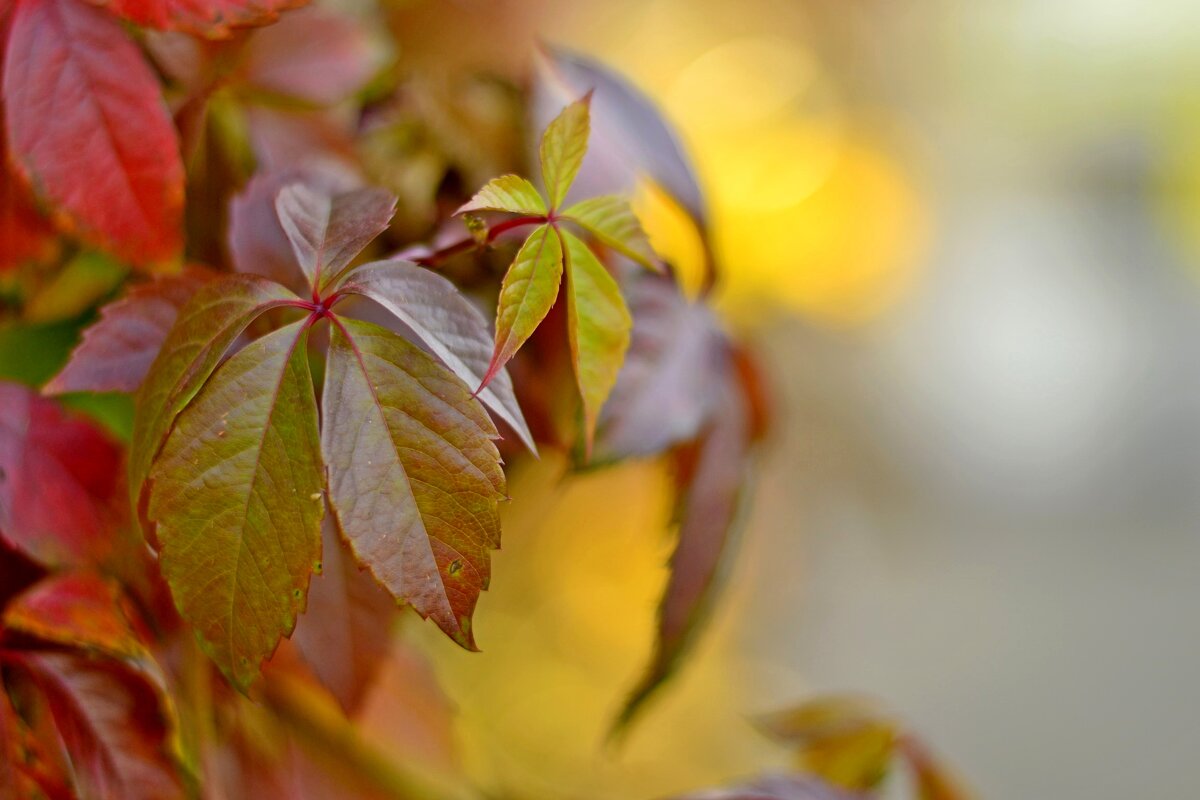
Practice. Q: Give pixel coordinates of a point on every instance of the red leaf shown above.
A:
(10, 751)
(110, 724)
(344, 634)
(25, 235)
(212, 18)
(117, 350)
(88, 128)
(59, 481)
(76, 610)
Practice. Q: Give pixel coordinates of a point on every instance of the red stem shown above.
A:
(438, 256)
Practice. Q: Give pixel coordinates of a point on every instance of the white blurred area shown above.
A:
(981, 504)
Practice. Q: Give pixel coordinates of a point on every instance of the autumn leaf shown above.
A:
(414, 476)
(529, 289)
(87, 127)
(10, 749)
(611, 220)
(25, 235)
(344, 634)
(77, 610)
(775, 787)
(563, 146)
(598, 325)
(60, 479)
(328, 231)
(238, 502)
(445, 322)
(204, 330)
(110, 724)
(117, 350)
(507, 193)
(211, 18)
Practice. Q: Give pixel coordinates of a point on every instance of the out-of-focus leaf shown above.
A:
(611, 220)
(529, 289)
(59, 481)
(10, 749)
(712, 477)
(599, 326)
(205, 328)
(314, 55)
(237, 500)
(257, 242)
(846, 740)
(25, 235)
(86, 280)
(507, 193)
(664, 391)
(30, 354)
(116, 352)
(630, 138)
(110, 723)
(563, 145)
(211, 18)
(446, 323)
(328, 231)
(78, 610)
(931, 779)
(414, 474)
(344, 634)
(88, 128)
(775, 787)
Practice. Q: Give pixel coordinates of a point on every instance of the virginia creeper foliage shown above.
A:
(263, 406)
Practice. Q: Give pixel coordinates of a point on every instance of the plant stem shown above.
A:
(438, 256)
(323, 729)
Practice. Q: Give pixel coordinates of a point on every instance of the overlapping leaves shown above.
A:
(598, 319)
(234, 467)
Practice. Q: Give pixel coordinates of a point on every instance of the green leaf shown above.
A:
(527, 294)
(599, 327)
(203, 331)
(563, 145)
(414, 474)
(238, 502)
(507, 193)
(610, 219)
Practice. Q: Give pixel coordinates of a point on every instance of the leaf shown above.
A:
(116, 351)
(25, 235)
(60, 479)
(87, 127)
(775, 787)
(10, 749)
(414, 476)
(629, 135)
(313, 55)
(563, 145)
(932, 780)
(328, 231)
(664, 392)
(527, 293)
(237, 499)
(507, 193)
(113, 731)
(712, 477)
(215, 19)
(845, 740)
(344, 634)
(599, 326)
(83, 282)
(447, 324)
(77, 610)
(611, 220)
(256, 241)
(205, 328)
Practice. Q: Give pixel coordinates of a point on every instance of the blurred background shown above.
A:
(965, 237)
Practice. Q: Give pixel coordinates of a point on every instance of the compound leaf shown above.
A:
(527, 293)
(446, 323)
(328, 231)
(414, 474)
(237, 499)
(507, 193)
(117, 350)
(611, 220)
(563, 146)
(599, 327)
(88, 128)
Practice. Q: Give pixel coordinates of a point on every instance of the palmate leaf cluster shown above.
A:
(290, 429)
